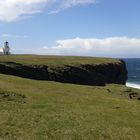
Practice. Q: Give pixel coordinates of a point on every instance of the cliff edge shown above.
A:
(77, 70)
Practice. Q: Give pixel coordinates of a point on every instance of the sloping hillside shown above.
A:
(33, 109)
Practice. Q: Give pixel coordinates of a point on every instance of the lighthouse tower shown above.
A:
(6, 49)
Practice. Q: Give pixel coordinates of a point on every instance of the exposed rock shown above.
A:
(133, 94)
(87, 74)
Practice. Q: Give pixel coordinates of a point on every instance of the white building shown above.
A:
(6, 49)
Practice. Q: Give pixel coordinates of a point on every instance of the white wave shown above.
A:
(133, 85)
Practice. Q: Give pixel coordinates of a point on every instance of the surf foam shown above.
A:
(133, 85)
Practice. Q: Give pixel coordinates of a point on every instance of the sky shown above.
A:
(102, 28)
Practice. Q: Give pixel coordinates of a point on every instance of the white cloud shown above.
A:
(63, 4)
(107, 47)
(12, 36)
(11, 10)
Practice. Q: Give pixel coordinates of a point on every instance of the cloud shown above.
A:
(106, 47)
(13, 36)
(63, 4)
(14, 9)
(11, 10)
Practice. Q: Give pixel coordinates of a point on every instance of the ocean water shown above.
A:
(133, 67)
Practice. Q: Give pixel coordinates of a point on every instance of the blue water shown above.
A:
(133, 67)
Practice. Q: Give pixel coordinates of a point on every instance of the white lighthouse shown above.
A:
(6, 49)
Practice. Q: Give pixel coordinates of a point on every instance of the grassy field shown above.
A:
(42, 110)
(55, 60)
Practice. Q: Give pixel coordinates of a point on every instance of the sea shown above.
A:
(133, 67)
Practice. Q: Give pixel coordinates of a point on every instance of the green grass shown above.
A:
(55, 60)
(42, 110)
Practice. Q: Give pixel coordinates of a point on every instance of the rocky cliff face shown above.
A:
(87, 74)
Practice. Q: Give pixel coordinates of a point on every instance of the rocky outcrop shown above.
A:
(86, 74)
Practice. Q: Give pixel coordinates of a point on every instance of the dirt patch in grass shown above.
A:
(12, 97)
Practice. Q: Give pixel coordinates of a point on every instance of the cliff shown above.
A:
(84, 70)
